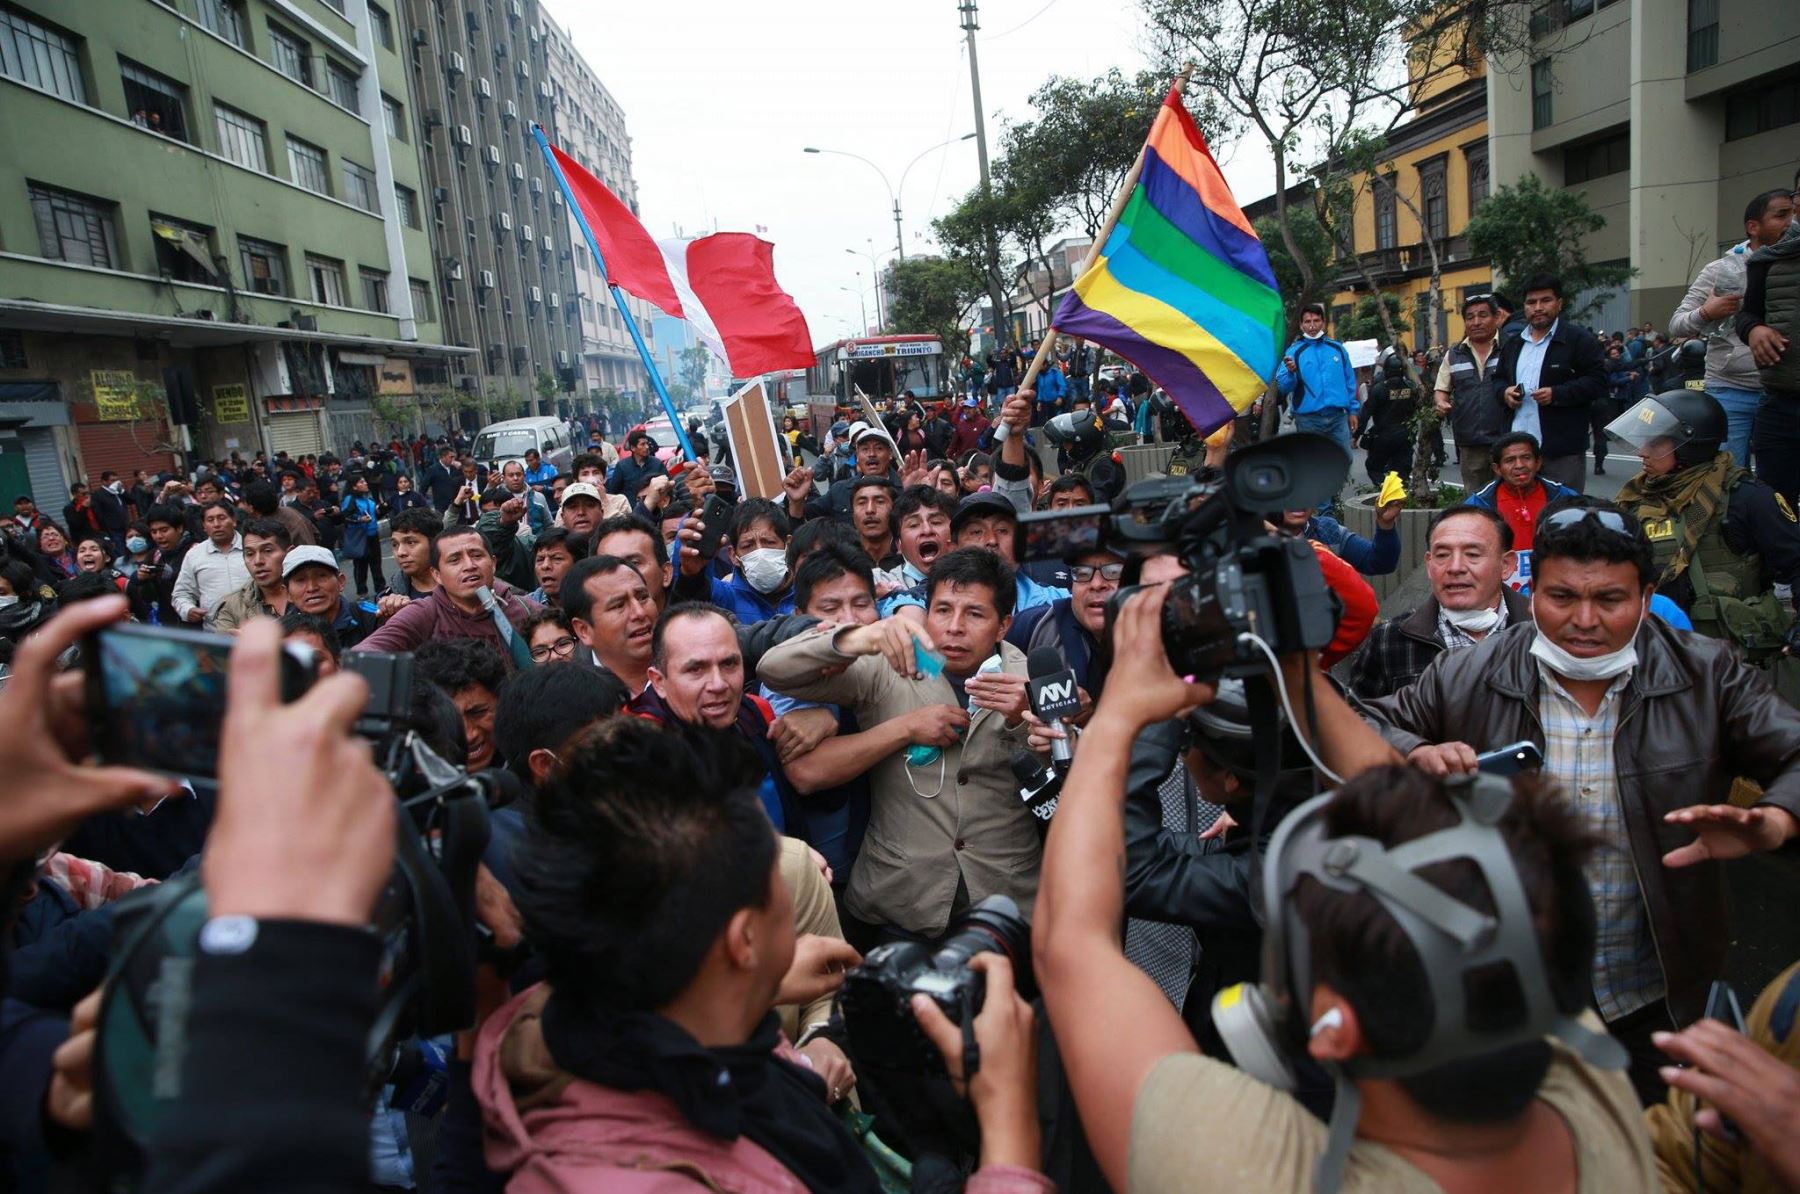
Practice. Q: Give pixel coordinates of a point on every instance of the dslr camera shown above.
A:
(1244, 580)
(136, 676)
(900, 1074)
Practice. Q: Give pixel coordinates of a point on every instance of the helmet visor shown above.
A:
(1646, 422)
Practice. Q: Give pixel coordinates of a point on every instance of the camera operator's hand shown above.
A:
(829, 1062)
(48, 791)
(70, 1101)
(817, 969)
(1004, 1089)
(305, 826)
(890, 638)
(1444, 758)
(1744, 1083)
(1155, 692)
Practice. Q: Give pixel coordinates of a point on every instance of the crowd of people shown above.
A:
(756, 744)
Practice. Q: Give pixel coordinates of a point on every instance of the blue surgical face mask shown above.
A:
(135, 545)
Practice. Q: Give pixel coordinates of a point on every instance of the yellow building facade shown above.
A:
(1434, 173)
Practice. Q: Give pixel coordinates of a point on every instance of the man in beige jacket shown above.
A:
(948, 831)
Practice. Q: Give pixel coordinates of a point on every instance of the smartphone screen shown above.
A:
(156, 697)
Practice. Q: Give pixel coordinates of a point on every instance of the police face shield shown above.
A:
(1647, 422)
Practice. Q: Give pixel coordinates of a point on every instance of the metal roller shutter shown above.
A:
(121, 447)
(295, 433)
(49, 483)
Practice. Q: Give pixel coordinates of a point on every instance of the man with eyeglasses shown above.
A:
(1644, 729)
(1073, 626)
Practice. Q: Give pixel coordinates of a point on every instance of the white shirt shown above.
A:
(1525, 375)
(209, 573)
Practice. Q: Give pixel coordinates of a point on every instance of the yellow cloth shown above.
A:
(1391, 490)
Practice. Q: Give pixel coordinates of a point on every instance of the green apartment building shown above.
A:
(212, 233)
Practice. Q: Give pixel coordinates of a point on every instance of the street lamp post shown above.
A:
(894, 195)
(875, 273)
(860, 305)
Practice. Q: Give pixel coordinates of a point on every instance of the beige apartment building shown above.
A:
(1669, 114)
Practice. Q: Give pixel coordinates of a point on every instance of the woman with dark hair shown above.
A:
(53, 544)
(362, 535)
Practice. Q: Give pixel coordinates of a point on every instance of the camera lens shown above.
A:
(1267, 479)
(992, 926)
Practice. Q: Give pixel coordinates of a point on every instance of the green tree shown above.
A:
(1365, 321)
(1083, 139)
(1529, 228)
(930, 295)
(1315, 246)
(690, 369)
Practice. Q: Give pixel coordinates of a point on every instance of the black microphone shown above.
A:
(1039, 786)
(1053, 698)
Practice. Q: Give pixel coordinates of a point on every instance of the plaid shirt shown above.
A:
(1578, 754)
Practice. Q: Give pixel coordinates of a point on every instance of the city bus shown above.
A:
(881, 367)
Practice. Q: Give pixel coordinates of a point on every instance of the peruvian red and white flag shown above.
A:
(723, 285)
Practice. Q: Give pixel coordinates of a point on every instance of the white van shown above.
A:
(498, 443)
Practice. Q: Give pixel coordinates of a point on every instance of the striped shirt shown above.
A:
(1578, 755)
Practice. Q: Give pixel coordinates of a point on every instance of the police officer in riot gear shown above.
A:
(1083, 442)
(1722, 538)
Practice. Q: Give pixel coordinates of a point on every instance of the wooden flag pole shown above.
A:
(1123, 196)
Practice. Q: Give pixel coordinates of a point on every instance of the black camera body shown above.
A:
(425, 920)
(876, 1002)
(1243, 579)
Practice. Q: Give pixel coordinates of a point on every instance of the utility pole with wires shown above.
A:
(970, 23)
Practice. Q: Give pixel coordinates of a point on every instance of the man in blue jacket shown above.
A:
(1316, 377)
(1371, 557)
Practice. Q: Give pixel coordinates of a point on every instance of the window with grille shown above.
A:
(156, 102)
(393, 113)
(290, 54)
(1434, 199)
(359, 186)
(375, 290)
(40, 55)
(1387, 216)
(242, 138)
(407, 200)
(1540, 95)
(12, 350)
(327, 278)
(307, 164)
(1703, 34)
(265, 265)
(225, 18)
(341, 87)
(383, 26)
(421, 299)
(74, 228)
(1476, 156)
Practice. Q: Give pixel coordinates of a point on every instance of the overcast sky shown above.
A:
(722, 96)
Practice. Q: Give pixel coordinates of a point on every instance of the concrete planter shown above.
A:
(1359, 516)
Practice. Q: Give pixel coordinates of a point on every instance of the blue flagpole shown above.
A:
(637, 337)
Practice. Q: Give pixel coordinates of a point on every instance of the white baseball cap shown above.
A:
(306, 553)
(581, 489)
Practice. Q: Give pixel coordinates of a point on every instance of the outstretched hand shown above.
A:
(1725, 831)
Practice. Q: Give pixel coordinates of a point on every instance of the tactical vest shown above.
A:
(1732, 598)
(1781, 311)
(1477, 416)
